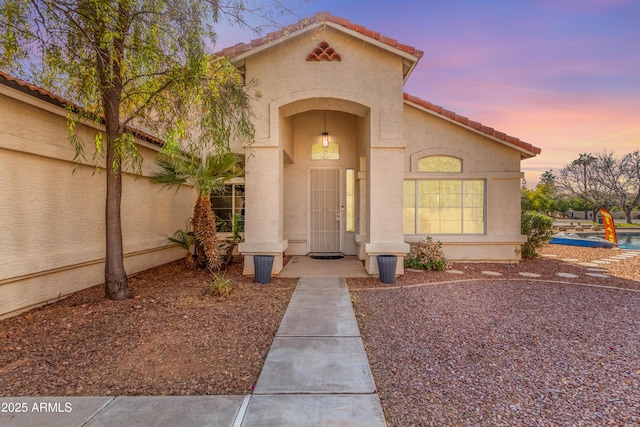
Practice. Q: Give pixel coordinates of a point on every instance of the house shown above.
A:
(345, 162)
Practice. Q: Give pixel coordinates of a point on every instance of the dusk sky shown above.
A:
(563, 75)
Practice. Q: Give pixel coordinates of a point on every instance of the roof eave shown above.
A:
(410, 60)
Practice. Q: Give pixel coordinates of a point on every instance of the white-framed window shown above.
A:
(227, 204)
(444, 206)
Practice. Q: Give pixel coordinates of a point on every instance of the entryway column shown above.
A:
(385, 186)
(263, 207)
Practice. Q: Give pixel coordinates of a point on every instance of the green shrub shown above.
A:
(426, 255)
(220, 286)
(538, 229)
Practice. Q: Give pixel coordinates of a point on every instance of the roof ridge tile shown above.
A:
(319, 17)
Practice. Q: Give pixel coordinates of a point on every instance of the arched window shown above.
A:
(332, 152)
(439, 164)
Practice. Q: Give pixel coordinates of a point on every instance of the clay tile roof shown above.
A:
(36, 91)
(47, 96)
(511, 140)
(321, 17)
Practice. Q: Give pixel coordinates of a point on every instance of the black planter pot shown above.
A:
(387, 268)
(262, 265)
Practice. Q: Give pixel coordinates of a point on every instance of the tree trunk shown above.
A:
(627, 214)
(204, 228)
(116, 285)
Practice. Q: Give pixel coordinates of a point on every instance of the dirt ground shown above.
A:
(171, 339)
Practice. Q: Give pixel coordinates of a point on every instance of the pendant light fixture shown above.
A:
(325, 135)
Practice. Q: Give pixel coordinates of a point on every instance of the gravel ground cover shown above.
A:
(471, 349)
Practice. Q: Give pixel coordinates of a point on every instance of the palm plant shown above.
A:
(184, 239)
(208, 174)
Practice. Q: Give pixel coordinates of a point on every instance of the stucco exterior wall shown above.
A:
(52, 228)
(292, 86)
(482, 158)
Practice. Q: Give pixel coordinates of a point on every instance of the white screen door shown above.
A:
(324, 210)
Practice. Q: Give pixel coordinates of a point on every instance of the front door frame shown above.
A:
(339, 213)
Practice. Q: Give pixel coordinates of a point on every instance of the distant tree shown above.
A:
(548, 178)
(127, 63)
(544, 198)
(620, 178)
(576, 179)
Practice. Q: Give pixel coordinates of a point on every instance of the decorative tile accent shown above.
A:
(324, 52)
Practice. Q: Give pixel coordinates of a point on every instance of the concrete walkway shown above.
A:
(316, 374)
(303, 266)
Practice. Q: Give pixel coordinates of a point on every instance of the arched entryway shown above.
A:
(321, 212)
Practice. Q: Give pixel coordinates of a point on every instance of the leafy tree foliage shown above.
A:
(129, 63)
(538, 228)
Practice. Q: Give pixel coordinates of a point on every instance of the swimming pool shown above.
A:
(628, 240)
(625, 240)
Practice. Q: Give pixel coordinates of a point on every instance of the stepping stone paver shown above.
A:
(596, 275)
(491, 273)
(454, 271)
(597, 270)
(588, 264)
(567, 275)
(570, 260)
(527, 274)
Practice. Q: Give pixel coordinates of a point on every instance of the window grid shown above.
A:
(444, 207)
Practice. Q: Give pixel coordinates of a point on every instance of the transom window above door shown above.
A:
(319, 152)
